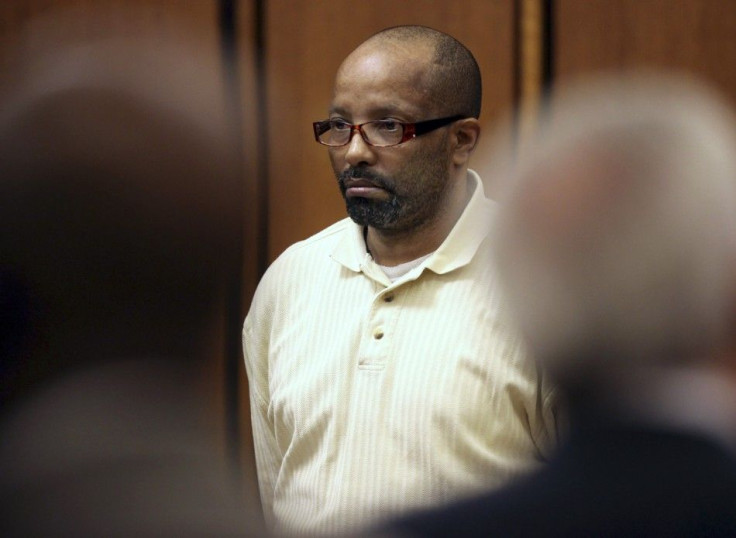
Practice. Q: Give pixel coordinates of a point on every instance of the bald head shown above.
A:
(451, 78)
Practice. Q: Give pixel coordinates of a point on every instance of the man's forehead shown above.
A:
(373, 110)
(384, 80)
(375, 57)
(367, 101)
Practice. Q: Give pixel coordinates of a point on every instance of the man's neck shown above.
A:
(391, 247)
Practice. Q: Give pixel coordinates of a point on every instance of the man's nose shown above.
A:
(359, 151)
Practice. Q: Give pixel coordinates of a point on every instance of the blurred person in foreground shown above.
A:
(115, 214)
(383, 372)
(616, 246)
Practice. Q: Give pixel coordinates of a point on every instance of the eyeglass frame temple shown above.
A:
(427, 126)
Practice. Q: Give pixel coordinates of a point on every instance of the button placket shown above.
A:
(381, 317)
(385, 297)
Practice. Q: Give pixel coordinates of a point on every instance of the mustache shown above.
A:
(362, 173)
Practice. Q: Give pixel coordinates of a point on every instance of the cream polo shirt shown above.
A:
(369, 398)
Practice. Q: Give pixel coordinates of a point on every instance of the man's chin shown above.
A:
(369, 213)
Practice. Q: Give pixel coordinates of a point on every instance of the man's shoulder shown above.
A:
(321, 242)
(309, 254)
(303, 261)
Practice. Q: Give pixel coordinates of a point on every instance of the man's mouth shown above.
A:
(361, 185)
(363, 188)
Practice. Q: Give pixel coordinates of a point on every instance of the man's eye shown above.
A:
(389, 126)
(339, 125)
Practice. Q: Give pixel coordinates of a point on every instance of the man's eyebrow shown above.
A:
(337, 110)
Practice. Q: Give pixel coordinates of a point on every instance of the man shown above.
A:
(383, 375)
(617, 250)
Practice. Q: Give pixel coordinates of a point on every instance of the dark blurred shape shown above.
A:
(616, 246)
(119, 449)
(113, 204)
(119, 224)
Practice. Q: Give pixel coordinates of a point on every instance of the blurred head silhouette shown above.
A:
(617, 239)
(116, 181)
(115, 205)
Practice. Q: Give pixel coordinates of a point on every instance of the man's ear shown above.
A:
(465, 136)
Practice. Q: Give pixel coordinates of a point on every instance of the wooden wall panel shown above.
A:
(305, 43)
(698, 36)
(73, 21)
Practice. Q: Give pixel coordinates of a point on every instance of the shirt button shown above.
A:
(388, 298)
(378, 334)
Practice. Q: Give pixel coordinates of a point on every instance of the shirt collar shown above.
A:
(463, 241)
(456, 250)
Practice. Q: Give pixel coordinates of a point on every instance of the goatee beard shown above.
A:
(379, 214)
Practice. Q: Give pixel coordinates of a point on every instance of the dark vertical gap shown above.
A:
(263, 135)
(234, 285)
(548, 43)
(517, 67)
(548, 50)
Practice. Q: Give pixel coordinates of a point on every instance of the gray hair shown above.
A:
(617, 235)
